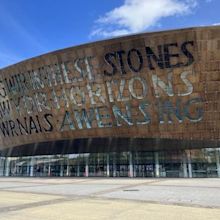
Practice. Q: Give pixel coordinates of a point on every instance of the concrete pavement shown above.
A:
(106, 198)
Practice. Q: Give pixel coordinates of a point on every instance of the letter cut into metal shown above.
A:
(157, 82)
(193, 113)
(126, 117)
(188, 84)
(67, 121)
(142, 107)
(97, 93)
(143, 85)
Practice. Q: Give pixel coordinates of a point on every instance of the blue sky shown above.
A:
(30, 28)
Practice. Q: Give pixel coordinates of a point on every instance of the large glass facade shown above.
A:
(184, 163)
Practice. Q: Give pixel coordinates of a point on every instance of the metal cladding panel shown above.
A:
(153, 86)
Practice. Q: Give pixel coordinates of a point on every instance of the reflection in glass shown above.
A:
(184, 163)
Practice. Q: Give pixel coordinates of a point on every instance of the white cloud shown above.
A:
(138, 15)
(216, 24)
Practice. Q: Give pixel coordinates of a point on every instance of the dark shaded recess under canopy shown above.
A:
(103, 145)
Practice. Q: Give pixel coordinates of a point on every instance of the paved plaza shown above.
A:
(106, 198)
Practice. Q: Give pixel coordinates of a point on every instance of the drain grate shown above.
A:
(131, 190)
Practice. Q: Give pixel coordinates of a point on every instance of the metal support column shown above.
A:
(114, 165)
(189, 163)
(49, 169)
(157, 164)
(87, 167)
(32, 167)
(2, 161)
(67, 167)
(107, 166)
(134, 165)
(185, 173)
(131, 173)
(7, 166)
(61, 167)
(217, 153)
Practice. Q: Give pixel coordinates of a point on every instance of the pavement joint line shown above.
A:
(17, 187)
(38, 193)
(92, 196)
(69, 198)
(73, 197)
(101, 193)
(35, 204)
(48, 183)
(54, 194)
(44, 184)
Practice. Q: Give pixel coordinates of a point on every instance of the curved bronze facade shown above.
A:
(158, 88)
